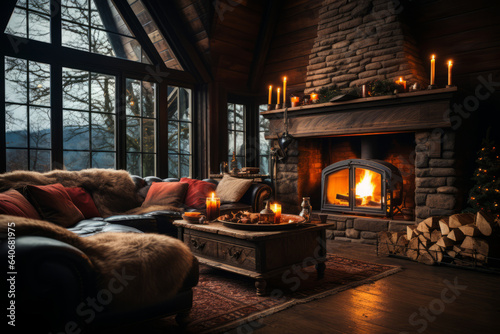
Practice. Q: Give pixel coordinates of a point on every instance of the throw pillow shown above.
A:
(54, 204)
(166, 193)
(231, 189)
(83, 201)
(198, 192)
(12, 202)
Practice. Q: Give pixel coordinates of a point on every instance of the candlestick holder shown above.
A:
(278, 106)
(270, 107)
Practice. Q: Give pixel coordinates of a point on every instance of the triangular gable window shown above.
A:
(91, 25)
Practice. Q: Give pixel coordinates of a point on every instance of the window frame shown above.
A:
(59, 57)
(235, 132)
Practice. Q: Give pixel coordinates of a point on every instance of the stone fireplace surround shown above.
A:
(413, 131)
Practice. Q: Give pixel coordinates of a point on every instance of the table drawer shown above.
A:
(236, 255)
(201, 246)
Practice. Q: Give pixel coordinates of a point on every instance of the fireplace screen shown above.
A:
(362, 186)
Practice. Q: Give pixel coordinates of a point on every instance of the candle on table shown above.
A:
(295, 101)
(278, 95)
(277, 212)
(433, 69)
(450, 64)
(284, 90)
(213, 207)
(270, 92)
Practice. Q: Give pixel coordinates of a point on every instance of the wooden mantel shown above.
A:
(381, 114)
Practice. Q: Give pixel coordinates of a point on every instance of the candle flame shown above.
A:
(400, 79)
(270, 86)
(284, 79)
(213, 196)
(433, 57)
(450, 63)
(278, 90)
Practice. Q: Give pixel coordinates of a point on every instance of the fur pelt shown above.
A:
(113, 191)
(158, 263)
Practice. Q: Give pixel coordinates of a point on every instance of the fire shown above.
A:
(365, 189)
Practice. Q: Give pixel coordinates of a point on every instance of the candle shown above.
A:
(213, 207)
(284, 90)
(278, 95)
(314, 97)
(433, 69)
(270, 92)
(402, 83)
(450, 64)
(295, 101)
(277, 212)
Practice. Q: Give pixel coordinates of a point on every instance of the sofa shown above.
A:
(65, 261)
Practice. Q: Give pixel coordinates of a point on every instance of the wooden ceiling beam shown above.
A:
(264, 39)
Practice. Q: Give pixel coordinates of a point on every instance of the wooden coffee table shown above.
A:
(257, 254)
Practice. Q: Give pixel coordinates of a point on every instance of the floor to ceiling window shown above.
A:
(69, 105)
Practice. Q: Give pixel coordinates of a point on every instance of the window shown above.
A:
(179, 132)
(141, 127)
(27, 115)
(264, 145)
(236, 130)
(81, 108)
(88, 119)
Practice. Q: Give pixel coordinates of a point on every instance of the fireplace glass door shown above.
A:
(338, 188)
(367, 189)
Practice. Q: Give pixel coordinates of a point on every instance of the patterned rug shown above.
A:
(223, 300)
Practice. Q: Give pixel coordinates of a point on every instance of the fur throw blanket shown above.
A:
(158, 263)
(113, 191)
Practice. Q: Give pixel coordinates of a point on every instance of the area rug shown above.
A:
(223, 301)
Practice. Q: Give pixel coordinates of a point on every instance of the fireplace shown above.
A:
(362, 186)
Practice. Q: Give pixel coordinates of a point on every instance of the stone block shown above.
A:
(345, 77)
(340, 44)
(349, 223)
(373, 66)
(372, 225)
(339, 234)
(367, 74)
(422, 212)
(421, 148)
(368, 235)
(422, 172)
(441, 162)
(426, 190)
(421, 160)
(441, 212)
(321, 82)
(388, 70)
(447, 190)
(441, 201)
(448, 154)
(442, 172)
(330, 234)
(420, 198)
(430, 182)
(352, 233)
(341, 226)
(399, 226)
(422, 137)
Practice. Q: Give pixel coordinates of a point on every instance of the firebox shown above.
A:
(362, 186)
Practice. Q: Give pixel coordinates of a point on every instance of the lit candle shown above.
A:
(213, 207)
(402, 82)
(277, 212)
(433, 69)
(295, 101)
(450, 64)
(284, 90)
(314, 97)
(270, 92)
(278, 95)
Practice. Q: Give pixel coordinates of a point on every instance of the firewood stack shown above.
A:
(462, 239)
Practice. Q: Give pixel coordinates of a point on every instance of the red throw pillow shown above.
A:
(54, 204)
(83, 202)
(198, 192)
(166, 193)
(12, 202)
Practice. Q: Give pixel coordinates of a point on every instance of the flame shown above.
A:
(365, 188)
(213, 196)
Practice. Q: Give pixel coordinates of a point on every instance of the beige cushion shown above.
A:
(232, 189)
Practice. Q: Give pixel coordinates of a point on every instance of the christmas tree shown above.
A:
(485, 194)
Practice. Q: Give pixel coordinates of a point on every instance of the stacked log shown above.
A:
(462, 238)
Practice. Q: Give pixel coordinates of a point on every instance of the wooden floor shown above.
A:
(398, 303)
(415, 300)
